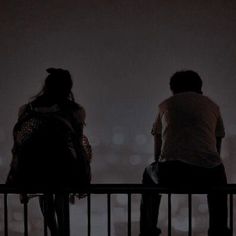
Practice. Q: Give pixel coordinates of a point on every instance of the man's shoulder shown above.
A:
(207, 101)
(188, 97)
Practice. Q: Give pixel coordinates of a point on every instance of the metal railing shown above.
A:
(110, 189)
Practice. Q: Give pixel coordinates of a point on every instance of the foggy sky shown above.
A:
(121, 55)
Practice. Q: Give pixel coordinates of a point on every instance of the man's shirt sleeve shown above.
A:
(157, 126)
(220, 130)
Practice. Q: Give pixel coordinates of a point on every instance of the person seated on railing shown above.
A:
(187, 133)
(48, 146)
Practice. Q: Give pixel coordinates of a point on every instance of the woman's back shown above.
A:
(48, 147)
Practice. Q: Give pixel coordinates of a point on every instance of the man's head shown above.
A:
(185, 81)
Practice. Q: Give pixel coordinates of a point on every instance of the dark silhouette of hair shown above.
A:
(185, 81)
(57, 86)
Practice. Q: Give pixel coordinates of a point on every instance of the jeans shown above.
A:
(177, 173)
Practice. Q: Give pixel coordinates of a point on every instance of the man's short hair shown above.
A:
(185, 81)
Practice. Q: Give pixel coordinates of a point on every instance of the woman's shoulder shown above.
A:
(24, 109)
(74, 106)
(77, 111)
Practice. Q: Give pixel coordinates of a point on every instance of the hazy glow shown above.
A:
(121, 55)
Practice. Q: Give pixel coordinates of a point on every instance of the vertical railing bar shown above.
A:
(45, 223)
(5, 215)
(89, 213)
(45, 229)
(169, 214)
(67, 213)
(231, 212)
(26, 216)
(189, 214)
(129, 214)
(109, 214)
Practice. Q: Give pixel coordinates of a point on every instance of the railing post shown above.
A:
(5, 215)
(190, 214)
(25, 205)
(109, 214)
(129, 214)
(169, 214)
(231, 213)
(67, 214)
(89, 213)
(42, 200)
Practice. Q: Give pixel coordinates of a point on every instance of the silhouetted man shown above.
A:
(187, 131)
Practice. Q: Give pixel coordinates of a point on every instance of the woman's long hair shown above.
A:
(57, 86)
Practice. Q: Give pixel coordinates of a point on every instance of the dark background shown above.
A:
(121, 55)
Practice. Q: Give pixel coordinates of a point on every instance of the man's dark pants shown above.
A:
(177, 173)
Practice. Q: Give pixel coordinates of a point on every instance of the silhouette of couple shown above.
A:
(50, 148)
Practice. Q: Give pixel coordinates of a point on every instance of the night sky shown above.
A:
(121, 55)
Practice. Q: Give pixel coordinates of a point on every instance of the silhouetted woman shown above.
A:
(48, 146)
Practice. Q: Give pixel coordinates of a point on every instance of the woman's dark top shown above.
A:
(57, 157)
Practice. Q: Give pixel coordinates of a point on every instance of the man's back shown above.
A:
(189, 124)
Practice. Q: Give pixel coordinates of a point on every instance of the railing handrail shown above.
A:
(120, 189)
(109, 189)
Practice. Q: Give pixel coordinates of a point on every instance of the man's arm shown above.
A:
(157, 146)
(218, 144)
(220, 132)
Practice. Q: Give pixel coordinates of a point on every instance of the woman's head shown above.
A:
(185, 81)
(58, 85)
